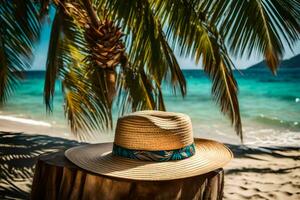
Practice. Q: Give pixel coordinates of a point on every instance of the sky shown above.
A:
(41, 50)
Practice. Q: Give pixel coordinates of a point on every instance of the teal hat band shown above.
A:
(157, 156)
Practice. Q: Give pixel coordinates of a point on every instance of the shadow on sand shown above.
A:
(275, 152)
(240, 151)
(18, 155)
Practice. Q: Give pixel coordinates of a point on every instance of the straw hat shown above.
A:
(152, 145)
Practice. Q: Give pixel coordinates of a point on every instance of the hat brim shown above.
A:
(97, 158)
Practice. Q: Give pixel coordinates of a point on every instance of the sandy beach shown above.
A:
(263, 173)
(255, 173)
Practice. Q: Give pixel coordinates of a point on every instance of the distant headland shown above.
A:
(291, 63)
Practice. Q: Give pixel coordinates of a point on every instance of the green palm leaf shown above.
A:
(258, 26)
(19, 29)
(195, 38)
(54, 61)
(82, 108)
(152, 60)
(85, 106)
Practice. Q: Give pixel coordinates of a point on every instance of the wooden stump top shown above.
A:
(57, 178)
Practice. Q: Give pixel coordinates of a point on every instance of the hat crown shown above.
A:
(154, 131)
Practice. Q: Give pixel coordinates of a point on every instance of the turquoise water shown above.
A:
(270, 106)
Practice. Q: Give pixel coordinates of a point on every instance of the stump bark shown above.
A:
(57, 178)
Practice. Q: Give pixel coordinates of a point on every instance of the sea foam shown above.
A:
(25, 121)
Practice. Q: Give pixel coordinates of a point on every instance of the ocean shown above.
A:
(270, 106)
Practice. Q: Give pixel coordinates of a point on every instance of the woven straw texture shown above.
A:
(97, 158)
(154, 131)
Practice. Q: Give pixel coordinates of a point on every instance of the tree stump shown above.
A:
(57, 178)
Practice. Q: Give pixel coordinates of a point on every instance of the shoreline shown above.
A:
(36, 127)
(15, 124)
(253, 136)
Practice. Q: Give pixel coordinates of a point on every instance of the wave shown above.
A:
(274, 121)
(271, 137)
(25, 121)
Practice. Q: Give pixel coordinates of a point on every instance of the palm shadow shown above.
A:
(241, 151)
(18, 155)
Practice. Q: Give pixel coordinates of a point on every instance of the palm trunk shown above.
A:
(91, 13)
(109, 71)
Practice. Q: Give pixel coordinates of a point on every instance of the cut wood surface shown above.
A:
(57, 178)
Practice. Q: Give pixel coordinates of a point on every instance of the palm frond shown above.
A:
(83, 85)
(19, 29)
(194, 37)
(82, 108)
(136, 91)
(258, 26)
(152, 60)
(5, 81)
(64, 32)
(54, 61)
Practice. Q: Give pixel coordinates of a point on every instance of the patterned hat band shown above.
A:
(157, 156)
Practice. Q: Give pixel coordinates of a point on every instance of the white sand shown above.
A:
(255, 173)
(16, 124)
(265, 174)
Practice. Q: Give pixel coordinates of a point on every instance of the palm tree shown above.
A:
(107, 51)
